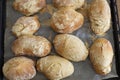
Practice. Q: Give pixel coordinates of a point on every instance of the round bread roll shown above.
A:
(75, 4)
(19, 68)
(100, 16)
(26, 26)
(54, 67)
(101, 55)
(70, 47)
(32, 46)
(29, 7)
(66, 20)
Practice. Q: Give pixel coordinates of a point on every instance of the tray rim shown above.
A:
(116, 34)
(2, 24)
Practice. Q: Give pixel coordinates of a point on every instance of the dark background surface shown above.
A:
(1, 37)
(116, 35)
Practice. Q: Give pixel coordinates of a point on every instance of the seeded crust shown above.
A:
(100, 16)
(75, 4)
(101, 56)
(19, 68)
(66, 20)
(26, 26)
(29, 7)
(32, 46)
(54, 67)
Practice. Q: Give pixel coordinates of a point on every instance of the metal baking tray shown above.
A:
(116, 34)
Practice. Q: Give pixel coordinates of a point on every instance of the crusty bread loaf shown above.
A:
(32, 46)
(75, 4)
(55, 67)
(66, 20)
(100, 16)
(101, 55)
(29, 7)
(70, 47)
(19, 68)
(26, 26)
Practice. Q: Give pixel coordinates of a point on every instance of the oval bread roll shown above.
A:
(100, 16)
(70, 47)
(19, 68)
(66, 20)
(26, 26)
(75, 4)
(101, 55)
(29, 7)
(54, 67)
(32, 46)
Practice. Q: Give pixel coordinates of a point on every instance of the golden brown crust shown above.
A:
(26, 26)
(31, 46)
(19, 68)
(100, 16)
(75, 4)
(66, 20)
(70, 47)
(54, 67)
(29, 7)
(101, 55)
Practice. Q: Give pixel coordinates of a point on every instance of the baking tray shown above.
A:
(116, 32)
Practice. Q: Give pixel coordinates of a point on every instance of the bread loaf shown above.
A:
(32, 46)
(54, 67)
(100, 16)
(75, 4)
(19, 68)
(66, 20)
(29, 7)
(26, 26)
(70, 47)
(101, 56)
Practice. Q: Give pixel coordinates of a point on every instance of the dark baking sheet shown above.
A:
(2, 25)
(115, 31)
